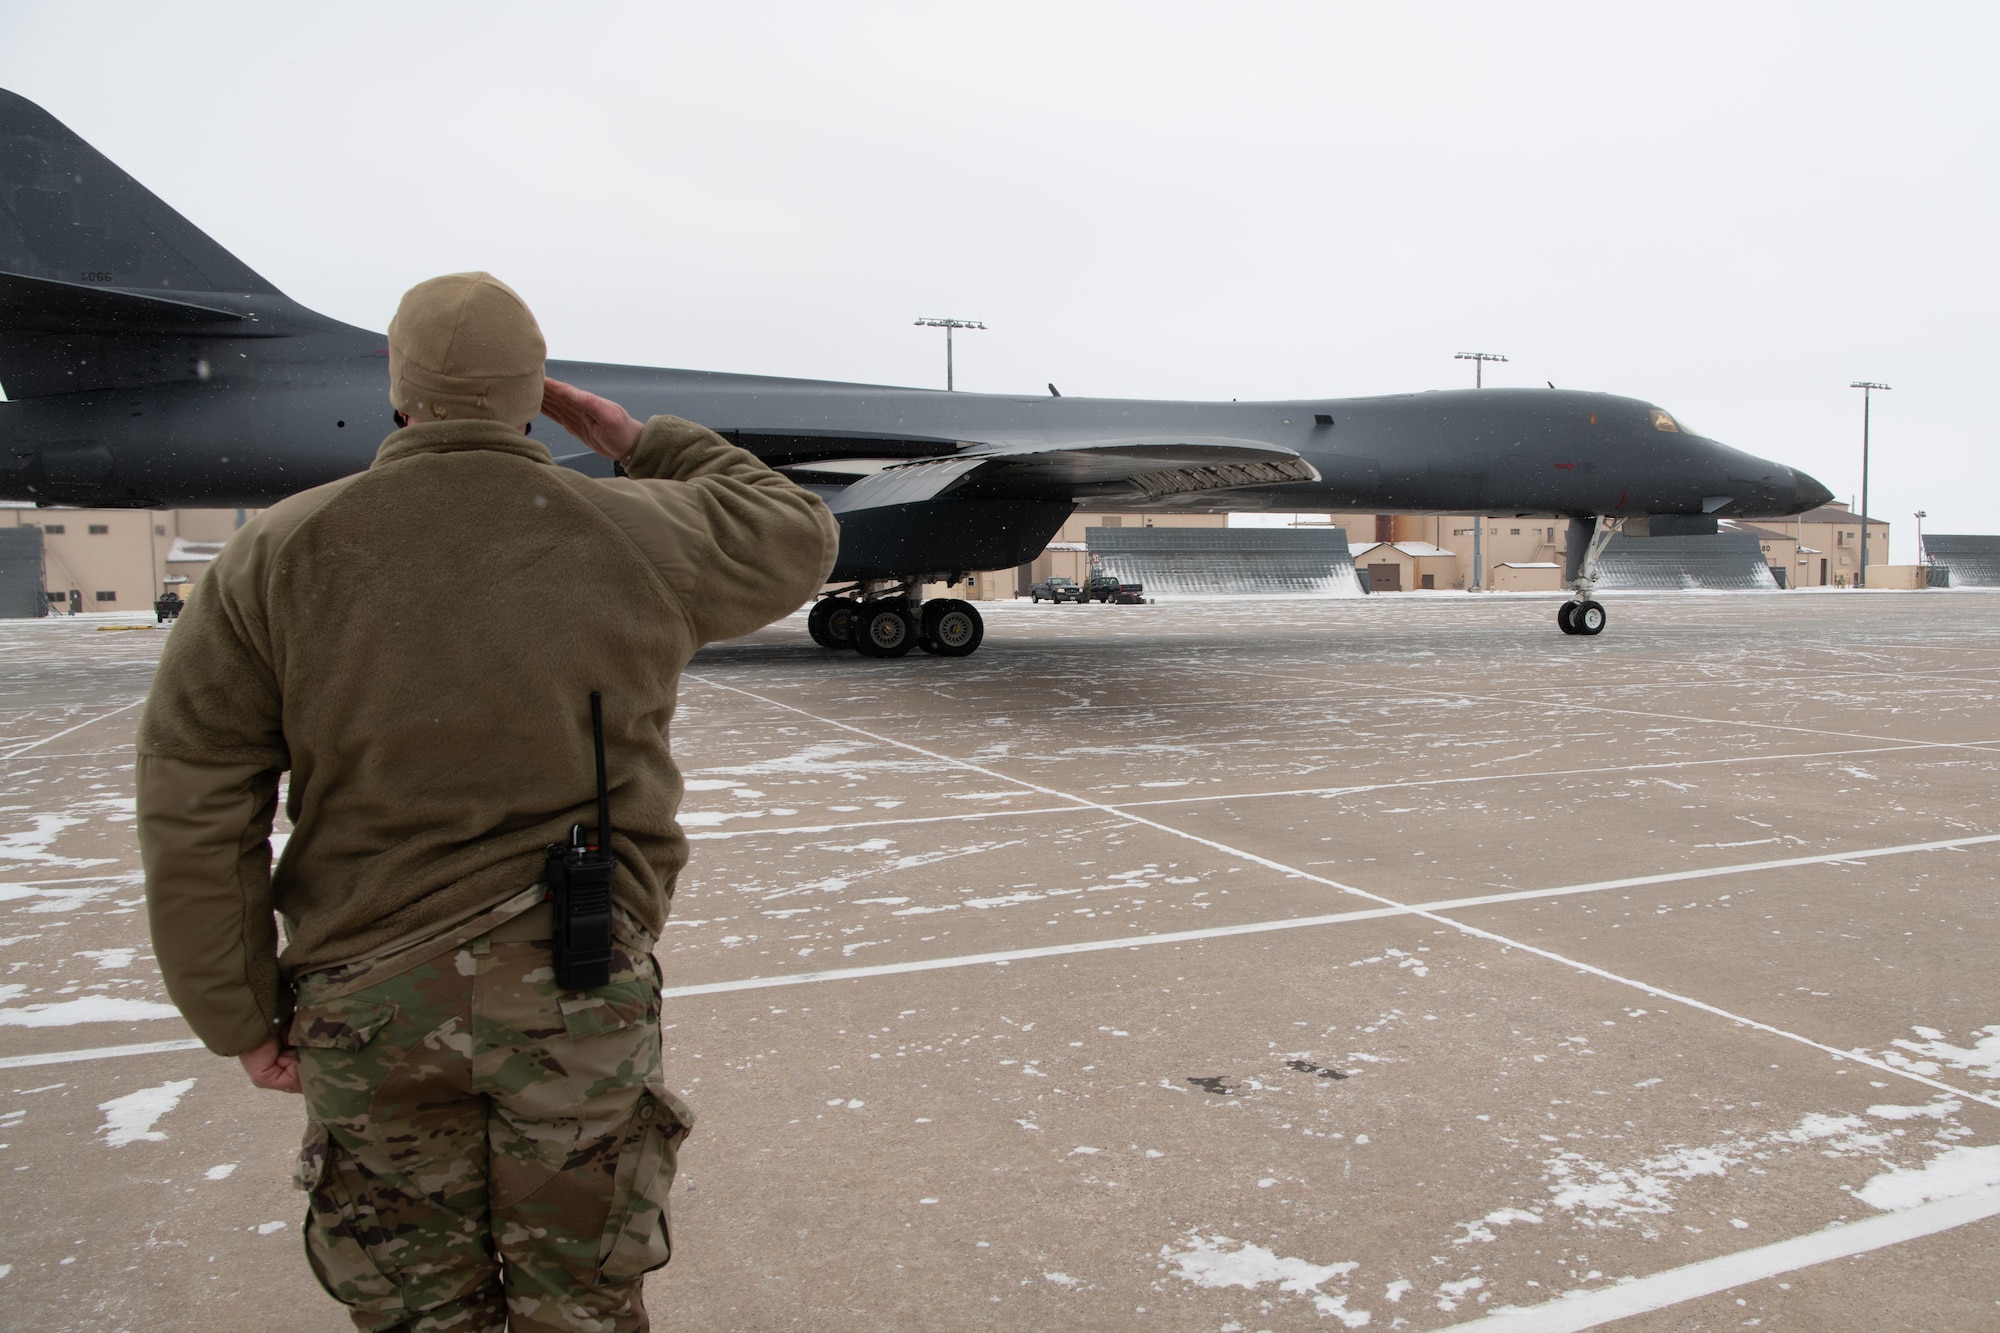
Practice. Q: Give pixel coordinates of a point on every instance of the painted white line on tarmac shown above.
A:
(1506, 942)
(1592, 1308)
(97, 1053)
(1301, 922)
(23, 749)
(1561, 705)
(1354, 789)
(877, 823)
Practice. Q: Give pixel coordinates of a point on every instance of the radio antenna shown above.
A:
(603, 788)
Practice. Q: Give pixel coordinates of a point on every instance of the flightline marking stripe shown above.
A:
(97, 1053)
(1692, 1281)
(1131, 941)
(1475, 932)
(23, 749)
(1359, 789)
(1943, 675)
(877, 823)
(1298, 922)
(1980, 747)
(1001, 957)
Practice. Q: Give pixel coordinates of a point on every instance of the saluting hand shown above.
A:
(600, 423)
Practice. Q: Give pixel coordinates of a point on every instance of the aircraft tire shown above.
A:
(840, 621)
(1566, 617)
(1589, 618)
(884, 629)
(951, 628)
(817, 621)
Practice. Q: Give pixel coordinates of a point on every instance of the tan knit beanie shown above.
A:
(465, 346)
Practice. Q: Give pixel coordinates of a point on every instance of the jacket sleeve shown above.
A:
(739, 544)
(204, 838)
(211, 747)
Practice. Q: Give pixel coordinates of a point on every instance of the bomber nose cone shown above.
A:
(1807, 493)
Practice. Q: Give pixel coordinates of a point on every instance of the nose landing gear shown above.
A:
(1582, 613)
(1581, 617)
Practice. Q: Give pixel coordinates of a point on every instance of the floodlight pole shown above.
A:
(1922, 559)
(948, 325)
(1478, 360)
(1867, 388)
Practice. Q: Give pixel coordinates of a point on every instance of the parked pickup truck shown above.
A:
(1057, 589)
(1104, 588)
(1129, 594)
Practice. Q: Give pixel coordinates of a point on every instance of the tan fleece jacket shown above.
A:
(416, 645)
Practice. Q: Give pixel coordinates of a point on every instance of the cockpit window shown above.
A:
(1661, 421)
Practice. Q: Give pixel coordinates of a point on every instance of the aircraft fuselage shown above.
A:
(246, 420)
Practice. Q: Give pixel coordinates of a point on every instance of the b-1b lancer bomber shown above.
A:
(147, 366)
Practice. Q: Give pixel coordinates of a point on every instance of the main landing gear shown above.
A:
(879, 623)
(1582, 613)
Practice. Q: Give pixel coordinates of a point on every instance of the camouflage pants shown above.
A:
(485, 1151)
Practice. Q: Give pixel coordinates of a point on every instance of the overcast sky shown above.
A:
(1732, 210)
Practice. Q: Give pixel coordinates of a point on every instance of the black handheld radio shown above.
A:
(579, 876)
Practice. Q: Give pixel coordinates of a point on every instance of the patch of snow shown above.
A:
(1062, 1279)
(109, 958)
(1981, 1058)
(222, 1172)
(706, 818)
(1953, 1172)
(32, 845)
(1210, 1261)
(1603, 1193)
(1482, 1230)
(1937, 1110)
(129, 1119)
(1451, 1293)
(85, 1009)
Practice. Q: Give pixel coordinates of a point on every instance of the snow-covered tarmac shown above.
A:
(1191, 966)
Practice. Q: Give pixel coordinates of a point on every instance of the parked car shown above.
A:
(1102, 588)
(1057, 589)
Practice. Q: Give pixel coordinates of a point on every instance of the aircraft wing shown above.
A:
(1100, 471)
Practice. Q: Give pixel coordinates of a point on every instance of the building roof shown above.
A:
(1529, 564)
(1761, 534)
(184, 551)
(1834, 514)
(1415, 550)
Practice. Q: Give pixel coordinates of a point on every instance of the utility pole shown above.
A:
(1478, 360)
(1922, 559)
(948, 325)
(1867, 388)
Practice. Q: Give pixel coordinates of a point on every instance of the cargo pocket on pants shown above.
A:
(636, 1236)
(333, 1246)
